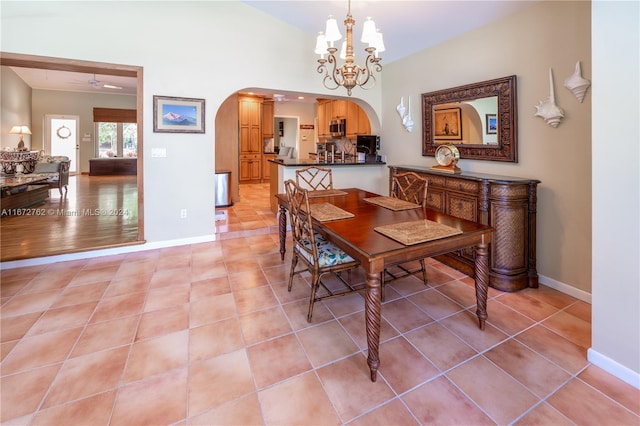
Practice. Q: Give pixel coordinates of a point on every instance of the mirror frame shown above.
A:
(505, 89)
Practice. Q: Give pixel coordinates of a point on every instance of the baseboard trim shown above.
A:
(104, 252)
(614, 368)
(565, 288)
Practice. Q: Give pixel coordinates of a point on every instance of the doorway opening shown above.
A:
(78, 66)
(61, 138)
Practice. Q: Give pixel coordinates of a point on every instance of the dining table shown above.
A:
(380, 234)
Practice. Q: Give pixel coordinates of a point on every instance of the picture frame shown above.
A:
(447, 124)
(178, 115)
(492, 124)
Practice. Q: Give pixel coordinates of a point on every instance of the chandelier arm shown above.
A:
(328, 74)
(372, 63)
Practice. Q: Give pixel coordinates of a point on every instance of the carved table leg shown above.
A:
(282, 231)
(372, 321)
(482, 282)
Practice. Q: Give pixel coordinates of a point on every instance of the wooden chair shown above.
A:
(408, 186)
(315, 178)
(319, 256)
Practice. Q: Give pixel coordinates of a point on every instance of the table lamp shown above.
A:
(20, 130)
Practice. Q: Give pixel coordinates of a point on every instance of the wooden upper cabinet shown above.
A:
(267, 118)
(356, 119)
(339, 109)
(324, 115)
(250, 114)
(364, 125)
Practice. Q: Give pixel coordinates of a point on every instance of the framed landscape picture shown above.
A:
(178, 115)
(446, 124)
(492, 124)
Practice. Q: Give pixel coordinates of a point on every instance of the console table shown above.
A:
(506, 203)
(113, 166)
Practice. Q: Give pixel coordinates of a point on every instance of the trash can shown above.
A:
(223, 189)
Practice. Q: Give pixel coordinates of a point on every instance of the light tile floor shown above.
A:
(251, 215)
(208, 334)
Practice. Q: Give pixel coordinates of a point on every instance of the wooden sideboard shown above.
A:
(506, 203)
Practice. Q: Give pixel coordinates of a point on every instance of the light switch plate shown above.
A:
(158, 152)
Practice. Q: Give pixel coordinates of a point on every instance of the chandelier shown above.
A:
(349, 74)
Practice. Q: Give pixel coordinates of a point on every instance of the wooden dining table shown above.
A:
(358, 237)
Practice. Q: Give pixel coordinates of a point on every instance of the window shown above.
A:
(117, 132)
(117, 139)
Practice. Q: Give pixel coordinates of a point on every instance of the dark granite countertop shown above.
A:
(293, 162)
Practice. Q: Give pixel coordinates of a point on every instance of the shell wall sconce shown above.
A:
(406, 119)
(577, 84)
(548, 109)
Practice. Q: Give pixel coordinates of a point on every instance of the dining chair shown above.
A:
(318, 255)
(315, 178)
(412, 187)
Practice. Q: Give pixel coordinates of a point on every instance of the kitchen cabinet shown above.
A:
(364, 125)
(267, 119)
(266, 166)
(250, 117)
(250, 114)
(324, 116)
(508, 204)
(250, 167)
(339, 109)
(357, 121)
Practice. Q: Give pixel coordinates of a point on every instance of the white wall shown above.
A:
(616, 190)
(192, 49)
(548, 34)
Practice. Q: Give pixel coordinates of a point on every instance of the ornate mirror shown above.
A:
(480, 119)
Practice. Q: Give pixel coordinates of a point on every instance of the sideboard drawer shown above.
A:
(462, 185)
(462, 207)
(435, 199)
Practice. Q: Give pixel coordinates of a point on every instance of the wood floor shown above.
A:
(101, 212)
(97, 212)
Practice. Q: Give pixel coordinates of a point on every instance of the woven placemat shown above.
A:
(418, 231)
(325, 193)
(327, 211)
(392, 203)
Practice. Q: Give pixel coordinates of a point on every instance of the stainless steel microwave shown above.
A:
(337, 128)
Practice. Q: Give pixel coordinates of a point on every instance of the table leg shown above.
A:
(282, 231)
(482, 282)
(372, 319)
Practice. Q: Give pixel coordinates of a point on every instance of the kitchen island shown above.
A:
(370, 176)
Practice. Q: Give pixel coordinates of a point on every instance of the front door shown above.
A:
(61, 137)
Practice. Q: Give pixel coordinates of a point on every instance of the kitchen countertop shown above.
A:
(293, 162)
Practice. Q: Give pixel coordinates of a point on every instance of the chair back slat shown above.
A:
(315, 178)
(409, 186)
(301, 223)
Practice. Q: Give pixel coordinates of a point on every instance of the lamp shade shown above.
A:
(321, 44)
(332, 33)
(368, 31)
(377, 42)
(20, 130)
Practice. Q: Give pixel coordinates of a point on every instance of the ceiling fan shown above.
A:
(97, 84)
